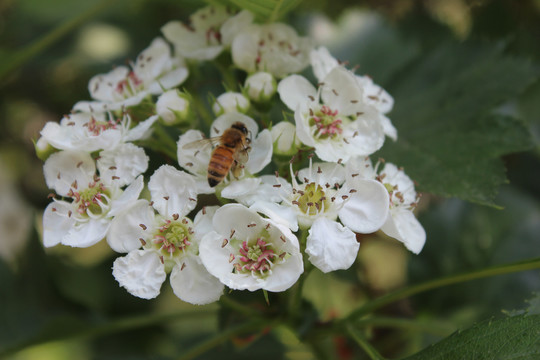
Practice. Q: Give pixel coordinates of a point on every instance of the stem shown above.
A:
(225, 335)
(114, 326)
(275, 12)
(295, 300)
(384, 300)
(239, 307)
(30, 51)
(408, 324)
(363, 343)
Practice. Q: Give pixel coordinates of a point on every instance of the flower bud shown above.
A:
(284, 138)
(260, 86)
(230, 102)
(172, 107)
(43, 148)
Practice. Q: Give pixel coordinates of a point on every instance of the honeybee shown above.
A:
(230, 154)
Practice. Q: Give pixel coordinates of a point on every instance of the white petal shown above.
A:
(64, 168)
(173, 191)
(367, 208)
(240, 188)
(215, 257)
(401, 181)
(267, 191)
(192, 157)
(388, 128)
(56, 226)
(126, 229)
(103, 86)
(286, 274)
(169, 80)
(331, 246)
(203, 221)
(237, 217)
(87, 234)
(261, 152)
(122, 164)
(341, 92)
(283, 215)
(295, 91)
(303, 131)
(192, 283)
(140, 272)
(330, 173)
(127, 197)
(234, 25)
(244, 49)
(403, 226)
(142, 130)
(322, 62)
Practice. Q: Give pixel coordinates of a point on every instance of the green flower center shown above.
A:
(94, 199)
(173, 238)
(325, 122)
(312, 199)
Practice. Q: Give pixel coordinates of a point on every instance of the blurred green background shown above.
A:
(59, 303)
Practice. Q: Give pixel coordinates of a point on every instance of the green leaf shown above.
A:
(269, 10)
(516, 337)
(450, 133)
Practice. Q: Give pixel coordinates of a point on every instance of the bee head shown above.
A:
(240, 126)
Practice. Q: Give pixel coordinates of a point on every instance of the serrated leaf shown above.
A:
(450, 137)
(516, 337)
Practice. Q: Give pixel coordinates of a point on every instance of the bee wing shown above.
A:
(202, 143)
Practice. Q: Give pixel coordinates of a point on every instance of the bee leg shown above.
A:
(237, 169)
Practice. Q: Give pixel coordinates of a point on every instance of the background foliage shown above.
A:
(464, 75)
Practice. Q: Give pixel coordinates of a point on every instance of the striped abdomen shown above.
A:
(220, 164)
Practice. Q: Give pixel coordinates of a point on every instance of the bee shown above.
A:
(230, 154)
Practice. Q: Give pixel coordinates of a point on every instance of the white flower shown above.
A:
(94, 131)
(274, 48)
(247, 252)
(260, 86)
(318, 201)
(172, 107)
(94, 201)
(169, 239)
(332, 119)
(230, 102)
(322, 63)
(196, 160)
(400, 223)
(153, 72)
(211, 29)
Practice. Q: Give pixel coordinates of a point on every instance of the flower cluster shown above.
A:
(285, 193)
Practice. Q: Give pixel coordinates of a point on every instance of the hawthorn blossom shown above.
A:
(153, 72)
(332, 119)
(317, 201)
(400, 223)
(230, 102)
(94, 131)
(322, 63)
(260, 86)
(247, 252)
(211, 29)
(172, 107)
(195, 160)
(94, 200)
(274, 48)
(161, 239)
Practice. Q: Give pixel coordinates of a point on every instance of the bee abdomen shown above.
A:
(220, 164)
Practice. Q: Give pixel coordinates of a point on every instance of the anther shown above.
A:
(192, 199)
(112, 167)
(79, 164)
(282, 238)
(335, 92)
(166, 197)
(251, 225)
(232, 233)
(352, 191)
(354, 175)
(319, 171)
(204, 210)
(231, 258)
(344, 197)
(332, 198)
(74, 184)
(189, 164)
(69, 213)
(224, 243)
(340, 161)
(175, 216)
(143, 243)
(311, 98)
(183, 266)
(114, 177)
(277, 185)
(294, 202)
(161, 259)
(267, 226)
(354, 101)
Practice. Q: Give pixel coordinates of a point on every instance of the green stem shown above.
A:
(111, 327)
(275, 12)
(389, 298)
(295, 300)
(166, 144)
(239, 307)
(30, 51)
(231, 83)
(408, 324)
(225, 335)
(363, 343)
